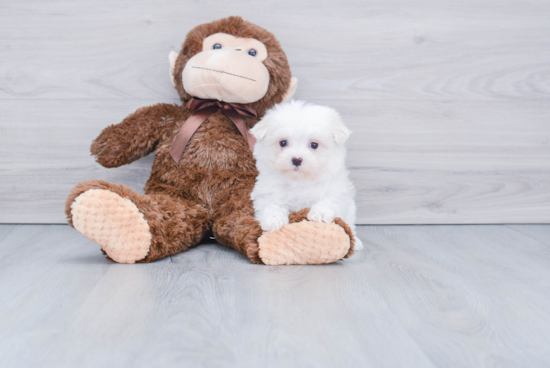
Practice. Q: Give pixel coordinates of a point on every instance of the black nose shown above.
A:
(296, 161)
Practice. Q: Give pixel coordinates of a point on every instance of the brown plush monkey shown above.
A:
(228, 73)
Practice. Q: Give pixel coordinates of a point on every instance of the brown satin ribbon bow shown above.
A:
(201, 110)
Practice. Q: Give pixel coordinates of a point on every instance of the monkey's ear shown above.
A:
(172, 56)
(259, 131)
(291, 89)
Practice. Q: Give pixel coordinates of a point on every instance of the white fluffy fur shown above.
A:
(321, 182)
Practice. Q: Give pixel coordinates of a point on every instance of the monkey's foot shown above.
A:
(113, 222)
(306, 242)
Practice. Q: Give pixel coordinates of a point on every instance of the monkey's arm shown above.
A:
(135, 137)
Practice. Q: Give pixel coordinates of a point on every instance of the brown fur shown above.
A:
(169, 218)
(210, 187)
(276, 62)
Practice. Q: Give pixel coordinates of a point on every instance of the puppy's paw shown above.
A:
(273, 221)
(321, 214)
(358, 243)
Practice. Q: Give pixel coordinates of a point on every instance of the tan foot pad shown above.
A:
(306, 242)
(113, 222)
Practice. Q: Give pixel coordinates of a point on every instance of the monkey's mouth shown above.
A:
(221, 71)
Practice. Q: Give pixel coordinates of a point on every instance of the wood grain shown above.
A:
(375, 50)
(469, 284)
(448, 101)
(418, 296)
(427, 169)
(537, 232)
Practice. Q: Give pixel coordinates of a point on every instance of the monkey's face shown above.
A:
(228, 69)
(232, 60)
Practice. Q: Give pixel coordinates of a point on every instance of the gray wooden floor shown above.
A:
(419, 296)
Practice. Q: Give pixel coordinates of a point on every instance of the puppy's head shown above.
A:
(301, 141)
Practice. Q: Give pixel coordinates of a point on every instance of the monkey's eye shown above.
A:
(314, 145)
(283, 143)
(252, 52)
(217, 46)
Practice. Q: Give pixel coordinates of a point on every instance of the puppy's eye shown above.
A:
(314, 145)
(283, 143)
(252, 52)
(217, 46)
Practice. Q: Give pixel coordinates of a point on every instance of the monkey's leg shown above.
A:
(132, 227)
(239, 231)
(234, 224)
(307, 242)
(299, 242)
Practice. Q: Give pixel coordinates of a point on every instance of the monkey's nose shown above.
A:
(296, 161)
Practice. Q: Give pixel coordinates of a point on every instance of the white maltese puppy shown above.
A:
(300, 156)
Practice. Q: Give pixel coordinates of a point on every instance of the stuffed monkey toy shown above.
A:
(227, 74)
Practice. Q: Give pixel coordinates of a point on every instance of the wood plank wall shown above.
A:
(449, 101)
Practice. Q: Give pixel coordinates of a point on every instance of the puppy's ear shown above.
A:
(339, 130)
(259, 131)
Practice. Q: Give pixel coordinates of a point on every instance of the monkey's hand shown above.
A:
(133, 138)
